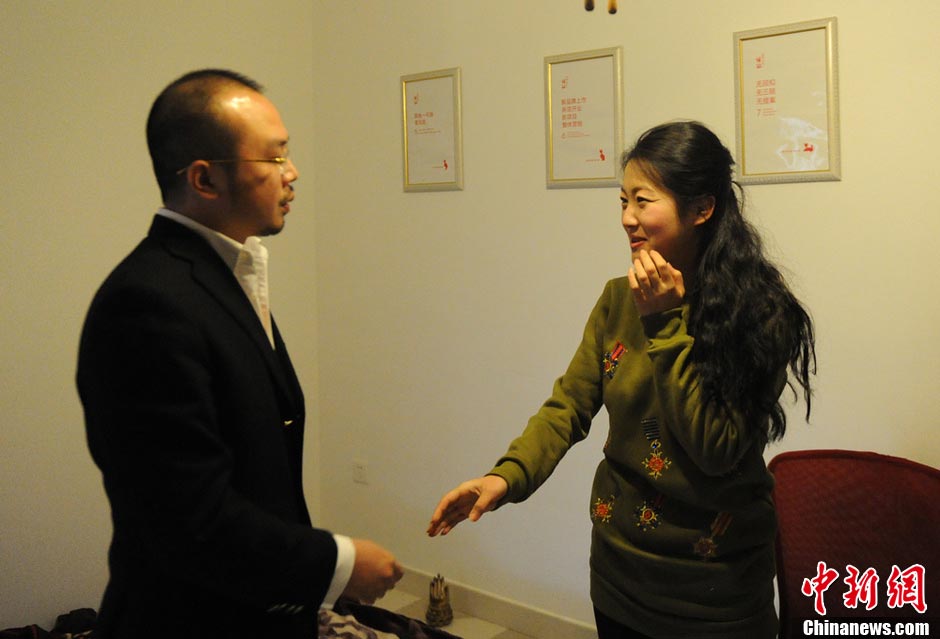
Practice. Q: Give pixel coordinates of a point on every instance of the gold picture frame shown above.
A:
(432, 137)
(786, 84)
(584, 119)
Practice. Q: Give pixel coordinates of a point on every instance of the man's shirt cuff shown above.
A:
(345, 561)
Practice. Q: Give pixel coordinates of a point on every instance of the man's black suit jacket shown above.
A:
(197, 426)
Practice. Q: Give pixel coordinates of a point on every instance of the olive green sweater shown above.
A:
(683, 523)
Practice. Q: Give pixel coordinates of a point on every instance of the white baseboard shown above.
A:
(498, 610)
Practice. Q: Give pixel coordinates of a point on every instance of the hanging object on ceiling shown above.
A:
(611, 6)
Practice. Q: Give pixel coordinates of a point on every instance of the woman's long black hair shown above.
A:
(747, 325)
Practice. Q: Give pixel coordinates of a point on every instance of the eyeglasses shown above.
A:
(280, 161)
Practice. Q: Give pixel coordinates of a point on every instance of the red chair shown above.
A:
(841, 508)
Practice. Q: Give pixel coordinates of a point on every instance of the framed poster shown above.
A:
(583, 119)
(432, 142)
(787, 103)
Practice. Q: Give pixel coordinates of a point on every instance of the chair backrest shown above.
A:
(840, 508)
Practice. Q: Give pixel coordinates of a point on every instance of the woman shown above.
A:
(689, 353)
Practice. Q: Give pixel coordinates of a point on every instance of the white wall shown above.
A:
(427, 327)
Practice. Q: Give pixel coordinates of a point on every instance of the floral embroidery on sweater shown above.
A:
(612, 360)
(648, 513)
(707, 547)
(655, 463)
(601, 510)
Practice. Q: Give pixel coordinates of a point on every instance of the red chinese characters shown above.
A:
(819, 584)
(903, 587)
(422, 119)
(863, 588)
(571, 112)
(765, 97)
(907, 587)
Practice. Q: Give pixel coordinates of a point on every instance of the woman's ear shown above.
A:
(702, 208)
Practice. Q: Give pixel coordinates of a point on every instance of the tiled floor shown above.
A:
(463, 626)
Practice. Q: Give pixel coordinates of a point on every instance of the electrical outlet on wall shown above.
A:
(360, 471)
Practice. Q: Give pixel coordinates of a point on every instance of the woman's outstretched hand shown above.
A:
(657, 286)
(470, 500)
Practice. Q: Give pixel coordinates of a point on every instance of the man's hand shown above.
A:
(375, 572)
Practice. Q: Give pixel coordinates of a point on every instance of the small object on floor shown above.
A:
(439, 611)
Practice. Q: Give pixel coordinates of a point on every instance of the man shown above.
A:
(193, 411)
